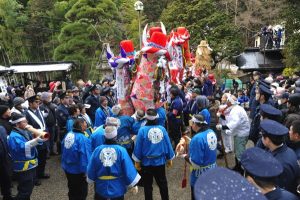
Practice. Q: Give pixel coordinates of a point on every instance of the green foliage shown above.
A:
(11, 32)
(292, 47)
(204, 20)
(90, 23)
(154, 8)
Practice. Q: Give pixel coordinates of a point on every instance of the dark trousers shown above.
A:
(175, 127)
(159, 174)
(98, 197)
(192, 193)
(5, 179)
(52, 131)
(42, 160)
(78, 187)
(26, 182)
(61, 135)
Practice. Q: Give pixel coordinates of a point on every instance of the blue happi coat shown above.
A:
(76, 151)
(101, 115)
(137, 125)
(125, 131)
(97, 138)
(112, 170)
(162, 116)
(203, 153)
(24, 156)
(153, 146)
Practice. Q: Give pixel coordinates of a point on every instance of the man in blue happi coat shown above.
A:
(152, 151)
(111, 169)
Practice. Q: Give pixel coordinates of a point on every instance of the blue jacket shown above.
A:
(291, 171)
(203, 153)
(76, 151)
(125, 131)
(112, 170)
(208, 88)
(95, 104)
(24, 156)
(137, 125)
(3, 144)
(280, 194)
(176, 104)
(62, 115)
(97, 138)
(100, 116)
(152, 146)
(162, 115)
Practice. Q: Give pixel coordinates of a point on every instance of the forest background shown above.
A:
(75, 30)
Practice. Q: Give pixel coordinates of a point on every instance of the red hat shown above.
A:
(211, 77)
(156, 44)
(183, 33)
(154, 29)
(127, 46)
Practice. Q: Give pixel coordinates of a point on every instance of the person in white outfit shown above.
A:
(236, 124)
(227, 138)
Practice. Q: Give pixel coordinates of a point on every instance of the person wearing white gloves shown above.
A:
(223, 111)
(22, 148)
(236, 124)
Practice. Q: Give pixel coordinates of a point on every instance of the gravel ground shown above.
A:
(56, 188)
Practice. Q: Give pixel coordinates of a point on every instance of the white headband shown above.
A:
(197, 121)
(150, 117)
(17, 120)
(112, 134)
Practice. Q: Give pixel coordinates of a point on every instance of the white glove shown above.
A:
(228, 132)
(219, 127)
(34, 142)
(134, 190)
(133, 138)
(45, 114)
(218, 114)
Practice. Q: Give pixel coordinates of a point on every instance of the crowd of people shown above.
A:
(199, 122)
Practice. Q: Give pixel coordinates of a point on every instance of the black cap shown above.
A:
(222, 183)
(265, 90)
(264, 84)
(94, 87)
(269, 111)
(261, 164)
(33, 98)
(272, 127)
(63, 95)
